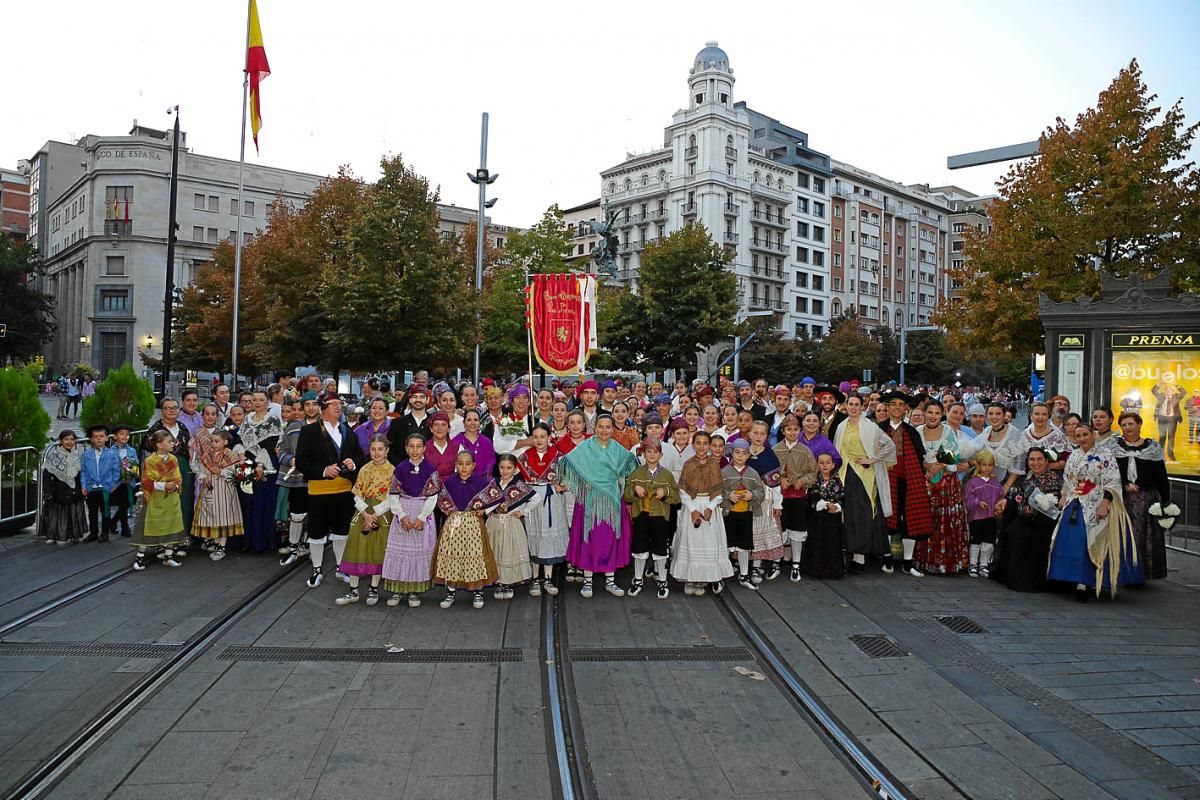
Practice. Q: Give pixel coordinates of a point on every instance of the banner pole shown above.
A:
(529, 326)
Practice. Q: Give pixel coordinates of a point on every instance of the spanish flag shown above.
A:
(257, 68)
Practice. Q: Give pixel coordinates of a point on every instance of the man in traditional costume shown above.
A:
(291, 478)
(416, 420)
(827, 399)
(911, 520)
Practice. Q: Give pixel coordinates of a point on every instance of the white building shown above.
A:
(104, 236)
(751, 181)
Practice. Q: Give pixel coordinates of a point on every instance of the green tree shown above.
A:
(122, 397)
(619, 328)
(203, 322)
(846, 351)
(688, 297)
(775, 357)
(23, 421)
(28, 313)
(543, 247)
(1113, 192)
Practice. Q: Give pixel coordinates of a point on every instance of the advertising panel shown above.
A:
(1163, 386)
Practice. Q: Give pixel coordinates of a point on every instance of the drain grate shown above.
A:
(661, 654)
(369, 655)
(876, 645)
(961, 624)
(87, 649)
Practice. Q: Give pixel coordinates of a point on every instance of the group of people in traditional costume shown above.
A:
(482, 488)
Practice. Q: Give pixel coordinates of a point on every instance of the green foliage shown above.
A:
(122, 397)
(23, 421)
(34, 369)
(505, 341)
(619, 328)
(1115, 190)
(775, 357)
(28, 313)
(542, 247)
(687, 298)
(846, 351)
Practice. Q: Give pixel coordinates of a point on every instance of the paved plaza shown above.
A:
(1048, 698)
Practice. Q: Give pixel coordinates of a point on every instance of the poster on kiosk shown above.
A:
(1157, 375)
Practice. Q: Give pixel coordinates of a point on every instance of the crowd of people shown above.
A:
(496, 487)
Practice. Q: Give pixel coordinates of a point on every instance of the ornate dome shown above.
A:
(711, 57)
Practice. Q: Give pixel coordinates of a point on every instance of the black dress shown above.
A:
(1144, 467)
(1023, 541)
(822, 553)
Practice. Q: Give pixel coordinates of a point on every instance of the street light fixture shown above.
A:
(84, 340)
(482, 178)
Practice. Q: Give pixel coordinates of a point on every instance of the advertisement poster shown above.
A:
(1163, 386)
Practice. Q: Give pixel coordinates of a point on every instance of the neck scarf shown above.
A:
(594, 474)
(64, 464)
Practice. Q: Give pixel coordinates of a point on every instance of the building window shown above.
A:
(802, 180)
(818, 307)
(200, 203)
(818, 233)
(248, 209)
(802, 280)
(232, 205)
(214, 203)
(802, 255)
(837, 284)
(114, 265)
(837, 308)
(212, 236)
(837, 234)
(817, 330)
(818, 209)
(802, 205)
(802, 230)
(818, 258)
(699, 98)
(114, 301)
(691, 168)
(197, 233)
(818, 185)
(802, 305)
(118, 210)
(837, 259)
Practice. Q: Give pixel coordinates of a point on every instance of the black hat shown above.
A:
(121, 426)
(833, 390)
(899, 394)
(97, 427)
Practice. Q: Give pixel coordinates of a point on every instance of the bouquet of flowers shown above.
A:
(243, 476)
(947, 457)
(513, 428)
(1164, 515)
(130, 471)
(1043, 503)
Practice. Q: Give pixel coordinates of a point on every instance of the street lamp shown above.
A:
(482, 178)
(85, 341)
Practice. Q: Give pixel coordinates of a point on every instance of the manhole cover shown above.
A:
(961, 624)
(87, 649)
(661, 654)
(876, 645)
(368, 655)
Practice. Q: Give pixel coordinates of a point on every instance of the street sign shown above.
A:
(3, 329)
(866, 376)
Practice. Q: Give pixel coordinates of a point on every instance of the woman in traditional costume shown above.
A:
(945, 551)
(768, 537)
(1144, 476)
(624, 432)
(377, 423)
(798, 472)
(558, 429)
(742, 492)
(506, 529)
(218, 510)
(600, 526)
(260, 435)
(699, 554)
(576, 435)
(64, 509)
(366, 544)
(823, 557)
(1028, 515)
(474, 442)
(547, 525)
(812, 438)
(464, 558)
(159, 523)
(1093, 545)
(1040, 433)
(866, 453)
(440, 450)
(412, 537)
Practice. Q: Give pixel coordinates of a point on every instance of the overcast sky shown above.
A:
(889, 87)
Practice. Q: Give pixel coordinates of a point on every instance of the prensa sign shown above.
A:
(1187, 340)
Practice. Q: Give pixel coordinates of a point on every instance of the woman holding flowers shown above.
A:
(945, 552)
(1147, 493)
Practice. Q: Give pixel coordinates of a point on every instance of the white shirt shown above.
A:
(335, 432)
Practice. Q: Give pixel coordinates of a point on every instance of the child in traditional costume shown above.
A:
(768, 537)
(412, 538)
(159, 522)
(464, 558)
(547, 525)
(650, 492)
(742, 492)
(218, 510)
(823, 558)
(100, 475)
(983, 492)
(506, 529)
(798, 472)
(124, 496)
(699, 554)
(64, 510)
(366, 546)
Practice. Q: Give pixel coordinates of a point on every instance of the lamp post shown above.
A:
(169, 292)
(904, 329)
(482, 178)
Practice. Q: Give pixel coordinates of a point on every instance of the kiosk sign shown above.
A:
(1158, 376)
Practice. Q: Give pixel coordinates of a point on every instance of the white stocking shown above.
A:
(743, 557)
(660, 567)
(975, 555)
(909, 546)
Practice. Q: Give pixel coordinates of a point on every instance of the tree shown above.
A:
(121, 398)
(1114, 192)
(203, 322)
(846, 351)
(887, 366)
(619, 328)
(23, 421)
(28, 313)
(688, 298)
(775, 357)
(543, 247)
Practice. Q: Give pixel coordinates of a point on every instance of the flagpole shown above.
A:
(529, 328)
(241, 204)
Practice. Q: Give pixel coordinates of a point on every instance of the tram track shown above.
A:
(51, 770)
(65, 599)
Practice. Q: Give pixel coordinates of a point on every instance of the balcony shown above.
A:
(763, 304)
(689, 152)
(657, 214)
(732, 209)
(689, 209)
(766, 244)
(769, 274)
(777, 220)
(731, 237)
(731, 152)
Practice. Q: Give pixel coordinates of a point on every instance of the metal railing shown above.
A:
(21, 484)
(1185, 535)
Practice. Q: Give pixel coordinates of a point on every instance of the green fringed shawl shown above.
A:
(594, 473)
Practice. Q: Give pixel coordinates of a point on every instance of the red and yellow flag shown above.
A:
(257, 68)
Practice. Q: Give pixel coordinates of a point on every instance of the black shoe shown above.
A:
(1081, 596)
(91, 537)
(139, 562)
(635, 587)
(854, 567)
(103, 537)
(126, 534)
(773, 571)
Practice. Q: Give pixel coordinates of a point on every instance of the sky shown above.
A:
(893, 88)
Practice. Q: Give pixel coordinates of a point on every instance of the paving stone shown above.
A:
(1082, 755)
(160, 791)
(898, 758)
(456, 787)
(1155, 737)
(1183, 755)
(187, 757)
(234, 710)
(1137, 789)
(928, 727)
(395, 691)
(1013, 746)
(982, 772)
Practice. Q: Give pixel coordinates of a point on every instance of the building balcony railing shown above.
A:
(731, 237)
(732, 209)
(766, 244)
(689, 209)
(763, 304)
(657, 214)
(689, 152)
(731, 152)
(768, 273)
(777, 220)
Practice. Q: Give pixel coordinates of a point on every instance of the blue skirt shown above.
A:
(1069, 559)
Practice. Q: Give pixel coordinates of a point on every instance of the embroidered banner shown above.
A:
(562, 320)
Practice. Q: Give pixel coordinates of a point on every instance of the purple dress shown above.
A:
(408, 561)
(482, 449)
(367, 431)
(820, 444)
(601, 531)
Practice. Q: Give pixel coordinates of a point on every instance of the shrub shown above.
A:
(23, 421)
(122, 397)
